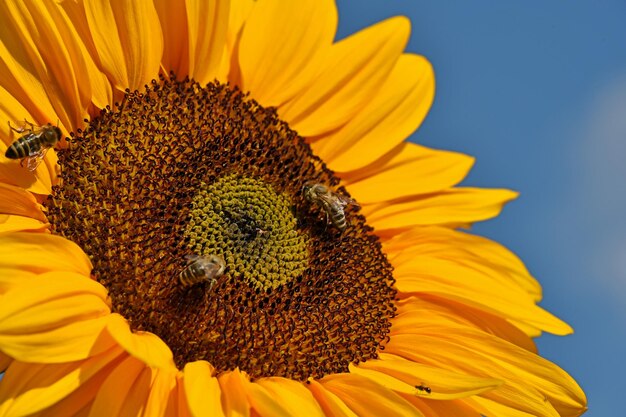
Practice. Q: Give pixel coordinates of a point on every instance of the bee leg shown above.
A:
(33, 161)
(212, 283)
(16, 129)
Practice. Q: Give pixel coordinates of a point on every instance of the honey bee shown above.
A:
(332, 203)
(423, 388)
(202, 269)
(33, 145)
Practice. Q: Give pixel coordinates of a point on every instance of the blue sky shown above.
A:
(536, 91)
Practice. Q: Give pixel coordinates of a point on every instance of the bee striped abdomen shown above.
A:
(23, 147)
(202, 269)
(338, 217)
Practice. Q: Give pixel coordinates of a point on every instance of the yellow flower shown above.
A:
(190, 130)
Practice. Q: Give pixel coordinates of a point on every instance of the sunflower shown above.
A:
(232, 223)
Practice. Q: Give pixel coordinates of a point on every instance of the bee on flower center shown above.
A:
(332, 203)
(32, 146)
(202, 269)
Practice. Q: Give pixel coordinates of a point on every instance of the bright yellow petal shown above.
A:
(25, 74)
(407, 171)
(56, 54)
(444, 242)
(387, 119)
(78, 402)
(194, 36)
(10, 223)
(128, 40)
(281, 396)
(459, 275)
(163, 385)
(29, 388)
(145, 346)
(74, 21)
(354, 71)
(54, 317)
(434, 408)
(16, 200)
(367, 398)
(5, 361)
(330, 403)
(10, 278)
(450, 207)
(37, 252)
(178, 404)
(529, 379)
(282, 46)
(405, 376)
(234, 398)
(412, 309)
(229, 68)
(202, 389)
(125, 391)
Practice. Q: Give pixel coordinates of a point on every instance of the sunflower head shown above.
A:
(235, 225)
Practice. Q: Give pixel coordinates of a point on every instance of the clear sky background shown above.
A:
(536, 91)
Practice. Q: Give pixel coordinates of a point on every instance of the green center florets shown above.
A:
(252, 227)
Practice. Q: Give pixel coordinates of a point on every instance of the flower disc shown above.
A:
(184, 170)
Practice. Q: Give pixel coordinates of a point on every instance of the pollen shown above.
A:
(181, 170)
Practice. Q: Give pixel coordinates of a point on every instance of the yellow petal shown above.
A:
(472, 281)
(16, 200)
(78, 402)
(24, 72)
(354, 71)
(532, 383)
(443, 242)
(282, 46)
(330, 403)
(404, 376)
(393, 114)
(202, 389)
(5, 361)
(54, 317)
(178, 404)
(37, 252)
(125, 391)
(29, 388)
(234, 397)
(434, 408)
(411, 310)
(57, 56)
(367, 398)
(10, 278)
(450, 207)
(229, 68)
(145, 346)
(128, 40)
(194, 36)
(10, 223)
(407, 171)
(281, 396)
(74, 21)
(163, 385)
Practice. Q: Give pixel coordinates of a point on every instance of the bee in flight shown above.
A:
(202, 269)
(33, 145)
(332, 203)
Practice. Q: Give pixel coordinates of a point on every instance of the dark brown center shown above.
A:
(181, 170)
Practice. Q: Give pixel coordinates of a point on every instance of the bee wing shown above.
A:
(33, 161)
(344, 201)
(191, 258)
